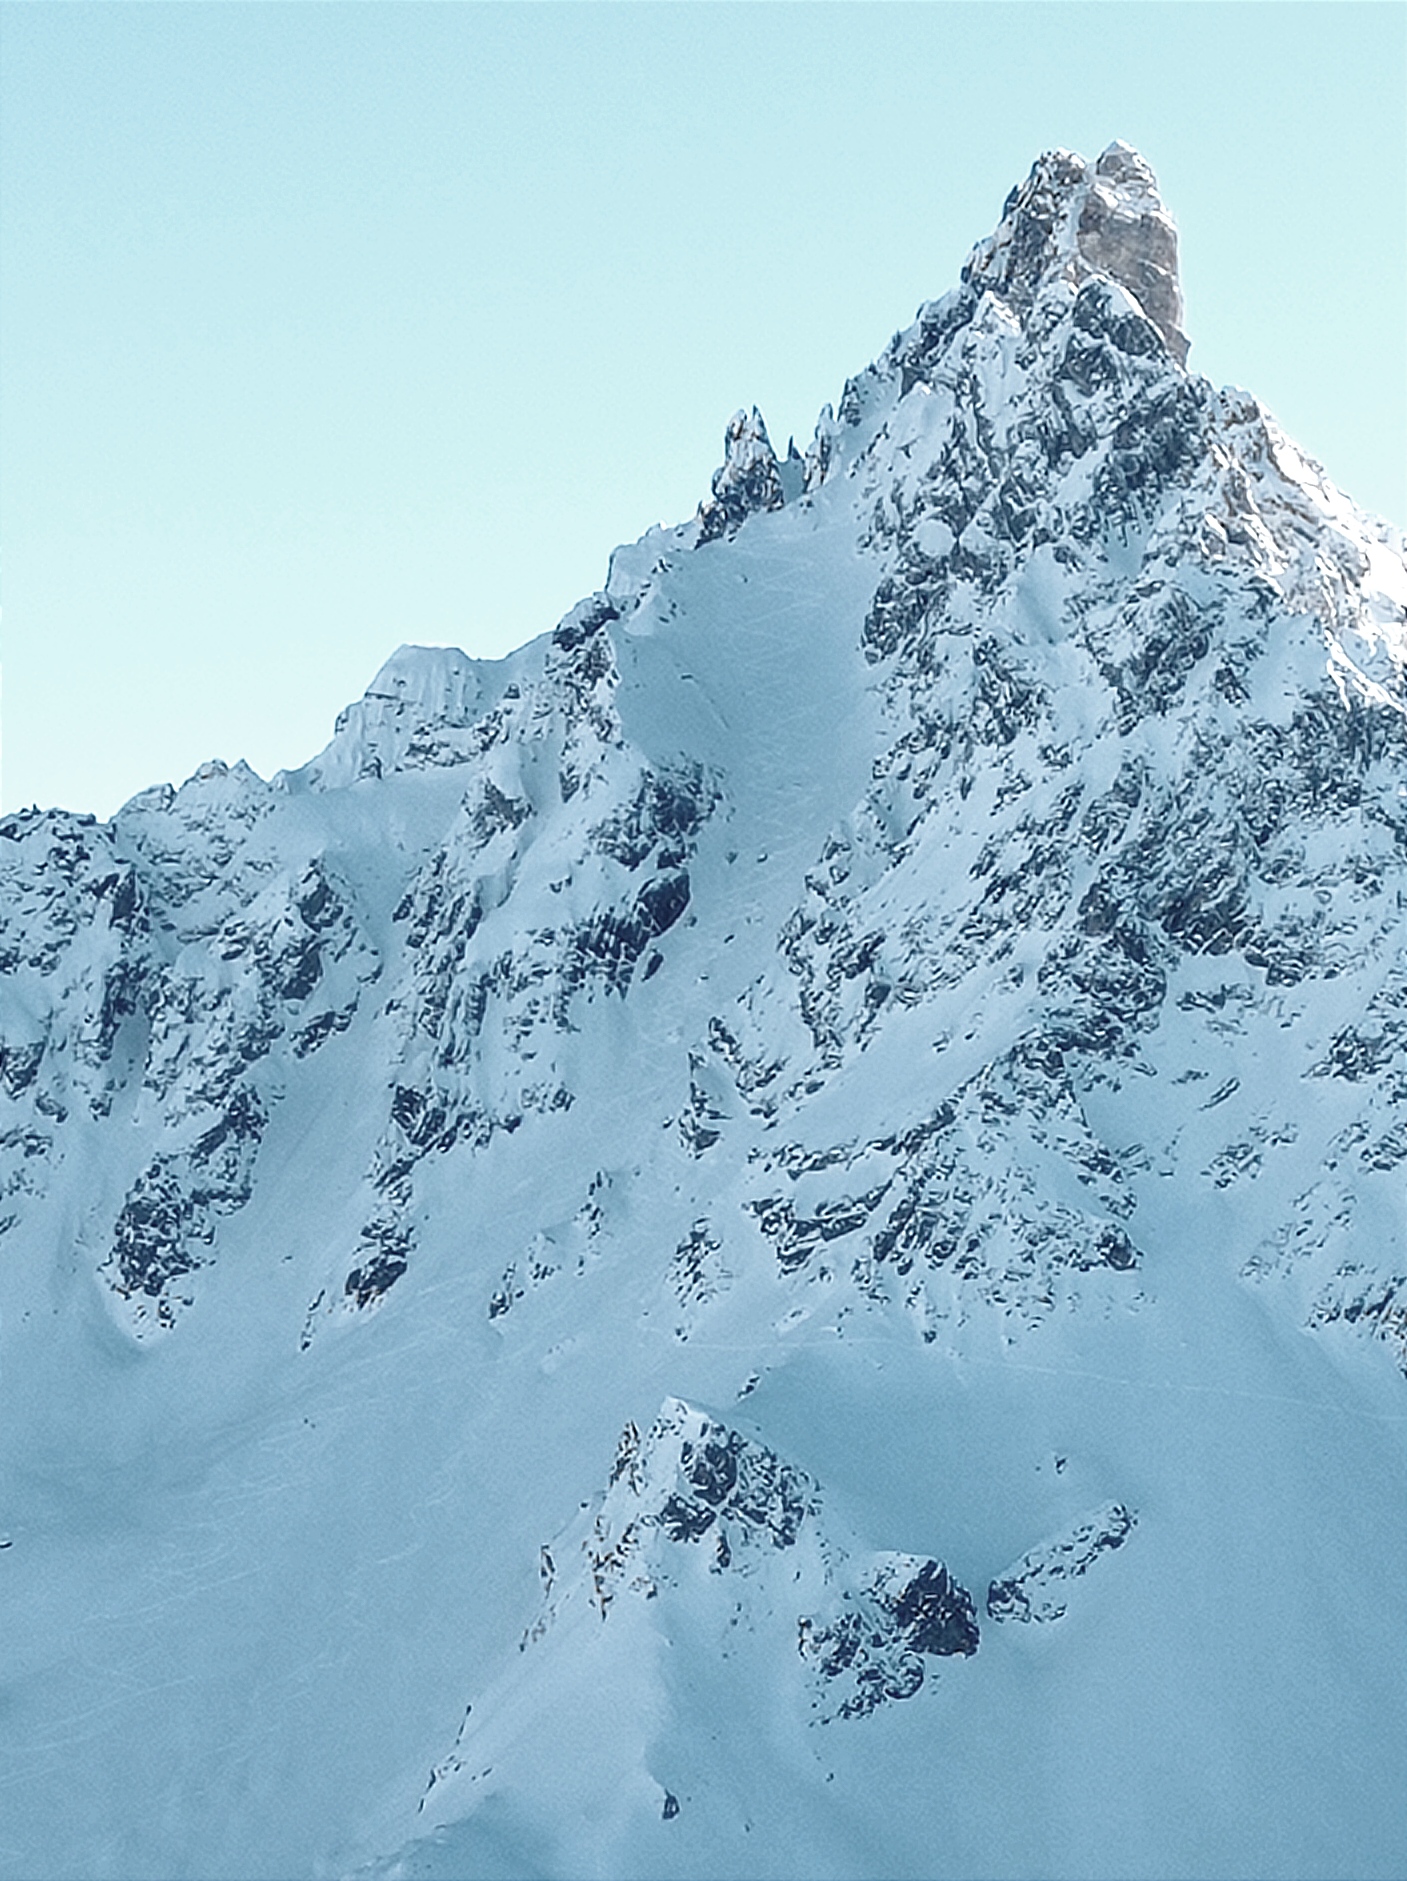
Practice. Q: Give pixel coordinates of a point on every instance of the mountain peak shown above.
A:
(1070, 219)
(898, 1023)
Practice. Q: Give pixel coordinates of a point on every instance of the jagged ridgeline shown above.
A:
(909, 978)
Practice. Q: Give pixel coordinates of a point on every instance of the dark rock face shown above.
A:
(662, 820)
(610, 947)
(796, 1240)
(694, 1496)
(1016, 259)
(865, 1657)
(1107, 217)
(179, 964)
(378, 1273)
(874, 1650)
(1124, 231)
(1037, 1587)
(957, 1194)
(479, 984)
(749, 479)
(935, 1613)
(739, 1484)
(167, 1216)
(690, 1491)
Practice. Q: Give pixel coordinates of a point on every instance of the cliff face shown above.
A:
(914, 966)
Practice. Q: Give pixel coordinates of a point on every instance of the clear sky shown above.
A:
(328, 327)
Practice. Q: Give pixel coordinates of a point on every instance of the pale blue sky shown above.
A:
(328, 327)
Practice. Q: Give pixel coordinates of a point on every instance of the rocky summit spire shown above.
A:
(1125, 232)
(748, 478)
(1070, 219)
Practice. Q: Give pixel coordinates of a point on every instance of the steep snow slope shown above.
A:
(767, 1238)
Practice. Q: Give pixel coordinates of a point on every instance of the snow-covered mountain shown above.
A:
(767, 1238)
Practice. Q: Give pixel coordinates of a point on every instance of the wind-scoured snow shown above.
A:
(767, 1238)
